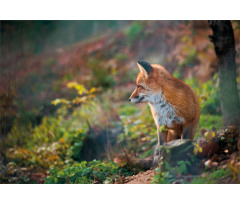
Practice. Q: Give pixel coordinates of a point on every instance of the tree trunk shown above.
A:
(224, 44)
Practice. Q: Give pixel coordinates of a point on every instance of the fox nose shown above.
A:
(129, 99)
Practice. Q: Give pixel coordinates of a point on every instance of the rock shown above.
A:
(174, 151)
(224, 142)
(209, 163)
(145, 164)
(177, 150)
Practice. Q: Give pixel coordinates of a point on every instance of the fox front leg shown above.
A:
(159, 137)
(162, 138)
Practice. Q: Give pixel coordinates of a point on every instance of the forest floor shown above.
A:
(146, 177)
(141, 178)
(233, 177)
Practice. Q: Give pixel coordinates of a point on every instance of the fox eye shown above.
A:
(138, 86)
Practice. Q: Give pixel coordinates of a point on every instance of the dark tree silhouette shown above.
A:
(224, 44)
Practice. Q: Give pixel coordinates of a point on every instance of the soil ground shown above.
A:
(141, 178)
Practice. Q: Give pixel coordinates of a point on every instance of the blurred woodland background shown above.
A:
(64, 89)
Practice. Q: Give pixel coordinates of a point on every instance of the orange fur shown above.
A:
(176, 93)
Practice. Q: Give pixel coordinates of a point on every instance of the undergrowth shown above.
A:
(87, 173)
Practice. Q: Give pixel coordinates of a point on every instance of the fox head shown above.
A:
(147, 87)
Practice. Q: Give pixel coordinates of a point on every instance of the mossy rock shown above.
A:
(177, 150)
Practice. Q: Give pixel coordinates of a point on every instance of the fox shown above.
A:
(173, 103)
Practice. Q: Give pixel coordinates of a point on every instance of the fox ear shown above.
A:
(145, 68)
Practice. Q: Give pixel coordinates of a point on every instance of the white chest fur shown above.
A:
(163, 112)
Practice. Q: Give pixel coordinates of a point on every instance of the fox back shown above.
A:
(173, 103)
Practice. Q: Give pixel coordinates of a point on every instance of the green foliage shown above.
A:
(57, 140)
(129, 75)
(51, 129)
(101, 76)
(139, 133)
(11, 173)
(128, 109)
(163, 177)
(177, 173)
(177, 74)
(121, 57)
(209, 99)
(86, 173)
(208, 122)
(190, 58)
(19, 135)
(166, 173)
(133, 32)
(43, 156)
(146, 154)
(212, 177)
(182, 167)
(190, 53)
(208, 93)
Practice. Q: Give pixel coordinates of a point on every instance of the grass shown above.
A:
(208, 122)
(212, 177)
